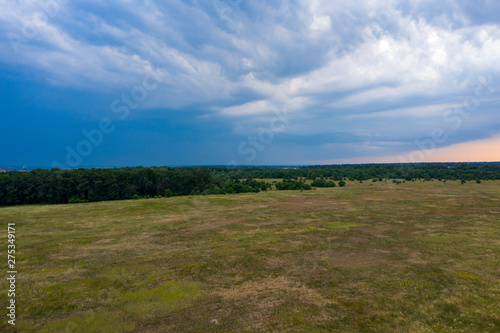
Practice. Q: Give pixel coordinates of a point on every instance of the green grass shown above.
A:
(370, 257)
(91, 322)
(342, 225)
(171, 295)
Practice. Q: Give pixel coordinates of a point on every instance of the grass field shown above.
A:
(370, 257)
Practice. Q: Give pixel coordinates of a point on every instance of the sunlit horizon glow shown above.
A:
(474, 151)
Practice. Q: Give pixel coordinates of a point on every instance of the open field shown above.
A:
(371, 257)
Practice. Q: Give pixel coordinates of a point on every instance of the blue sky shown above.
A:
(125, 83)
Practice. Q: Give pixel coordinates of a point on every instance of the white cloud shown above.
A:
(249, 109)
(406, 52)
(412, 112)
(324, 60)
(263, 107)
(321, 23)
(482, 150)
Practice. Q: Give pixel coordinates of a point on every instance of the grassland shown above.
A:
(370, 257)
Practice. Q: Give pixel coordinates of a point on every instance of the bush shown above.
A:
(341, 183)
(75, 199)
(322, 183)
(292, 185)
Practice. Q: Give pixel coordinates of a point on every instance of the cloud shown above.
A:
(411, 112)
(340, 67)
(484, 150)
(321, 23)
(249, 109)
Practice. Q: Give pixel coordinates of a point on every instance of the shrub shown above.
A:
(322, 183)
(292, 185)
(76, 199)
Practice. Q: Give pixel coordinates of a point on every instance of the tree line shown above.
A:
(361, 172)
(89, 185)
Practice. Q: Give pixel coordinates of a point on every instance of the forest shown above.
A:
(91, 185)
(408, 172)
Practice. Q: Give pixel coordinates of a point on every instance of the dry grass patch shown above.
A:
(215, 223)
(274, 291)
(354, 259)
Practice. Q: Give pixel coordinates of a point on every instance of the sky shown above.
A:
(238, 82)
